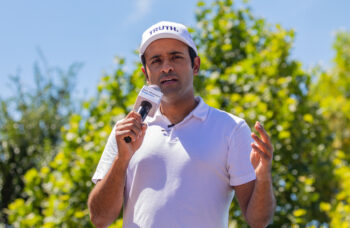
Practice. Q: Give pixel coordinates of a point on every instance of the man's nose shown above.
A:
(167, 67)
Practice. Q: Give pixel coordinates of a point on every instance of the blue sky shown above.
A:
(94, 32)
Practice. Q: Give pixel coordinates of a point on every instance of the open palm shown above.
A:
(262, 153)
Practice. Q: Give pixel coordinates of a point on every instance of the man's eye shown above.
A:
(177, 57)
(155, 61)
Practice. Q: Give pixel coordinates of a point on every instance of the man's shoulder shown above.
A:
(224, 117)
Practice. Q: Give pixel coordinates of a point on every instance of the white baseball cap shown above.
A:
(166, 29)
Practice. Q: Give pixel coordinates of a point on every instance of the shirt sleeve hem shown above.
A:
(243, 179)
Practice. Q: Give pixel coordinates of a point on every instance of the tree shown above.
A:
(332, 91)
(30, 123)
(56, 194)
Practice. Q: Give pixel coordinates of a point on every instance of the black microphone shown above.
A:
(147, 102)
(143, 111)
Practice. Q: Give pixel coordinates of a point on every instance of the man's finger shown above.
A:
(134, 128)
(129, 124)
(261, 153)
(262, 145)
(132, 119)
(254, 158)
(265, 137)
(143, 131)
(144, 127)
(125, 133)
(133, 114)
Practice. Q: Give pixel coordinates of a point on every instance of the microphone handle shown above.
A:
(143, 111)
(127, 139)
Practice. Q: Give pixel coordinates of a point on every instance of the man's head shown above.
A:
(169, 54)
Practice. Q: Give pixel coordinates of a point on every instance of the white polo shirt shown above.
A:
(182, 176)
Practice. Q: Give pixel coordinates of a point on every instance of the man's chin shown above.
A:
(169, 96)
(170, 91)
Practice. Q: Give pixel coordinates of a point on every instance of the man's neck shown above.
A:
(178, 110)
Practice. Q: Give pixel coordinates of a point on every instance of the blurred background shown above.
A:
(69, 70)
(94, 33)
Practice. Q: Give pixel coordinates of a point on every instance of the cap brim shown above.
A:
(163, 36)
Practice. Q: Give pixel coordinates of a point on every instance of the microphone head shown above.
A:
(152, 95)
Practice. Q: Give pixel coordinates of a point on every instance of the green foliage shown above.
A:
(332, 91)
(57, 193)
(30, 123)
(338, 208)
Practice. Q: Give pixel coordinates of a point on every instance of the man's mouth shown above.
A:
(167, 80)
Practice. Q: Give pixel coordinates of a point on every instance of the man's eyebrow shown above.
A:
(154, 57)
(176, 53)
(171, 53)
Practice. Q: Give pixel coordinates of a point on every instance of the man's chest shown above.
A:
(178, 154)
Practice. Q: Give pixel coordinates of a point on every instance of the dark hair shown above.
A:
(192, 55)
(190, 51)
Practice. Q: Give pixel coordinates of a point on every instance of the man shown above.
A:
(184, 165)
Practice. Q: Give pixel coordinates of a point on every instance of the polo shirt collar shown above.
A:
(200, 112)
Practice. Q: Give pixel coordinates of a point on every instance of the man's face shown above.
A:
(168, 65)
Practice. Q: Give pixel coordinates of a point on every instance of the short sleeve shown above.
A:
(108, 156)
(239, 166)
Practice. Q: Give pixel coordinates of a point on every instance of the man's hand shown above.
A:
(262, 153)
(133, 127)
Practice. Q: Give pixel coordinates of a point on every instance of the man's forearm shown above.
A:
(106, 199)
(262, 204)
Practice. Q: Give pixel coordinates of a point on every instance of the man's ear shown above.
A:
(196, 65)
(146, 75)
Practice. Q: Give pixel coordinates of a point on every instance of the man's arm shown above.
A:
(257, 202)
(256, 198)
(106, 198)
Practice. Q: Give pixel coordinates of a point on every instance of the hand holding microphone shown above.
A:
(131, 129)
(147, 103)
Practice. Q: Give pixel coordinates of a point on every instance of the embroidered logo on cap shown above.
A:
(164, 27)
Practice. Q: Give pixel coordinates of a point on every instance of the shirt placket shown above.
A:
(172, 135)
